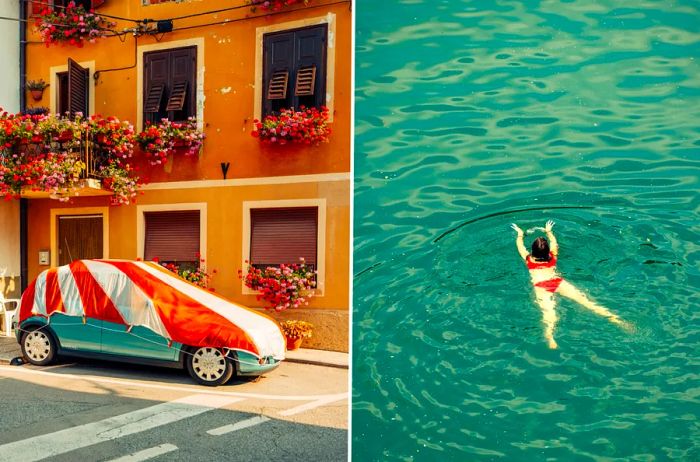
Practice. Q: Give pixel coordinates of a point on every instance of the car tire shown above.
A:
(38, 346)
(208, 366)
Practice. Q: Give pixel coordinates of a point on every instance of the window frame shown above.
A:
(260, 32)
(288, 203)
(191, 206)
(198, 42)
(190, 99)
(291, 76)
(53, 88)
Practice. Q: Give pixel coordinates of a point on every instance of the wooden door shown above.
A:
(79, 237)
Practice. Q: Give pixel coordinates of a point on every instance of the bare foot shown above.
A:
(552, 344)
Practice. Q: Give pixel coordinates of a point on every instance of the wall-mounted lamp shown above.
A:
(224, 168)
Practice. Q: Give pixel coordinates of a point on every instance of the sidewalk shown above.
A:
(9, 349)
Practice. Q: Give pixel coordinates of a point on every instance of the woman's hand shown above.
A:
(517, 229)
(548, 227)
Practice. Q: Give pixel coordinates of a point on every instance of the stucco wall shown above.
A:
(9, 53)
(9, 101)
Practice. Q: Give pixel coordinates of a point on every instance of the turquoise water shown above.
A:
(473, 115)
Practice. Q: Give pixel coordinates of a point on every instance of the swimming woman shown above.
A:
(542, 263)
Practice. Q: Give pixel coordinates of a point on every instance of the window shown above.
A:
(73, 90)
(169, 84)
(173, 237)
(294, 69)
(282, 235)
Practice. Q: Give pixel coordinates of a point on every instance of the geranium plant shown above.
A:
(274, 5)
(283, 286)
(297, 329)
(45, 152)
(197, 276)
(72, 25)
(306, 126)
(161, 139)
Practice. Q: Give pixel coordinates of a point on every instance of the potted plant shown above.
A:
(295, 332)
(36, 88)
(305, 126)
(159, 140)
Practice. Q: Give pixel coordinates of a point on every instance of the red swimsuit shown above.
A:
(550, 285)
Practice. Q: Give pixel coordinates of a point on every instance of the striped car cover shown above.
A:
(135, 293)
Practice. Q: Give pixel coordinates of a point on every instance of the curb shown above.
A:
(316, 363)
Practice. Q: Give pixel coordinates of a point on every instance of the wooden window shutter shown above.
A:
(155, 82)
(176, 102)
(278, 63)
(172, 236)
(182, 83)
(77, 88)
(282, 235)
(154, 98)
(310, 65)
(306, 81)
(277, 88)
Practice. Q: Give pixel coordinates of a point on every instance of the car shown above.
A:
(139, 312)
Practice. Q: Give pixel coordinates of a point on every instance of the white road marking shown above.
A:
(146, 454)
(238, 425)
(184, 389)
(312, 405)
(70, 439)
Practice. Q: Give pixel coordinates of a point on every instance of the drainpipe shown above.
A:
(23, 272)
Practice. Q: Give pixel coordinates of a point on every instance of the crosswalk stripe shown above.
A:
(311, 405)
(238, 425)
(70, 439)
(146, 454)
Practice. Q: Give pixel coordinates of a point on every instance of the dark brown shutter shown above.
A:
(310, 52)
(156, 74)
(282, 235)
(172, 236)
(278, 50)
(176, 102)
(183, 66)
(97, 3)
(77, 88)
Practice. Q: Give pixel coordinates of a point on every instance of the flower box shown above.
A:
(274, 5)
(308, 126)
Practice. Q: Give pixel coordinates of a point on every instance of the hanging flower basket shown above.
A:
(159, 140)
(274, 5)
(307, 126)
(71, 25)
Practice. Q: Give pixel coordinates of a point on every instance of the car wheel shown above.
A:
(209, 366)
(38, 347)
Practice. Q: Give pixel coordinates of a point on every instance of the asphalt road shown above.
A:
(91, 411)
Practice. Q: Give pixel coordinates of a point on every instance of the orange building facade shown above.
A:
(238, 194)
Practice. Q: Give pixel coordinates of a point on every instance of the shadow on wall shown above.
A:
(9, 285)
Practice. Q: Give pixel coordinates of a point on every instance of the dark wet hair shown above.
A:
(540, 249)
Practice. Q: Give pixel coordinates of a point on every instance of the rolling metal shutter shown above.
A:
(172, 236)
(283, 235)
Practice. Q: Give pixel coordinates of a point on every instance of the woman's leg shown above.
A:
(568, 290)
(545, 300)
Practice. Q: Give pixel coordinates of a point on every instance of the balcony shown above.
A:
(47, 156)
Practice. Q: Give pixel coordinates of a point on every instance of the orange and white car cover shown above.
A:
(135, 293)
